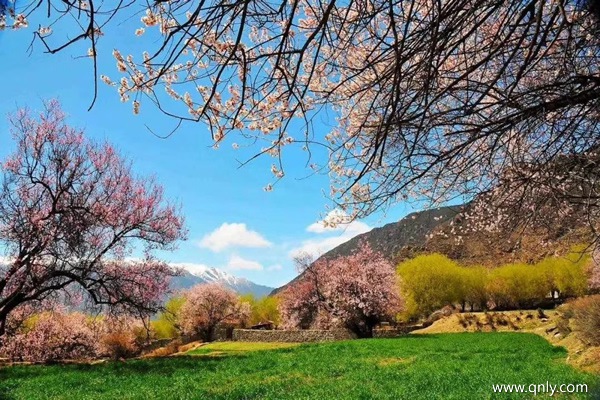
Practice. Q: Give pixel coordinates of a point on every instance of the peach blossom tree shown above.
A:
(357, 292)
(71, 213)
(432, 100)
(54, 336)
(208, 305)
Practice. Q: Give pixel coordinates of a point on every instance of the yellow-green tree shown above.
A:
(263, 309)
(567, 275)
(429, 282)
(473, 289)
(166, 326)
(518, 285)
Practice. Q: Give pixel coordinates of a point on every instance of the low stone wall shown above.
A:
(395, 332)
(290, 336)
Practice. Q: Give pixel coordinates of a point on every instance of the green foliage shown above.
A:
(166, 325)
(518, 286)
(567, 275)
(474, 281)
(263, 309)
(419, 367)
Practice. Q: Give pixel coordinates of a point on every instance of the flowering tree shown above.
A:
(433, 99)
(357, 291)
(299, 305)
(70, 212)
(208, 305)
(54, 336)
(451, 116)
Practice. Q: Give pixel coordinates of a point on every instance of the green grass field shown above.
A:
(445, 366)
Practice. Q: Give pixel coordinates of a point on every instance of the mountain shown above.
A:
(392, 239)
(470, 234)
(211, 275)
(395, 238)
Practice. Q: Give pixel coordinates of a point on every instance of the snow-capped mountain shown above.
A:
(210, 275)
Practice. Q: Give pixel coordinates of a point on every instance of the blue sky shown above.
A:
(233, 223)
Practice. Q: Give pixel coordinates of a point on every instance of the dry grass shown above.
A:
(227, 348)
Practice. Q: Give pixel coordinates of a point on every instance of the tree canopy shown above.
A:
(432, 99)
(71, 213)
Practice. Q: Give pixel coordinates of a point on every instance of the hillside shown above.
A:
(451, 231)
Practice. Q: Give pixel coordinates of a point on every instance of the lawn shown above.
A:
(443, 366)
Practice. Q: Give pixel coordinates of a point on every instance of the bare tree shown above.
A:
(433, 99)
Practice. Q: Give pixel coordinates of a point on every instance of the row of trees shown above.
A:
(430, 282)
(359, 291)
(55, 334)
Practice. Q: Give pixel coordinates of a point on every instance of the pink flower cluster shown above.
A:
(206, 306)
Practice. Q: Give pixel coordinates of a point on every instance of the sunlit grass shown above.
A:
(445, 366)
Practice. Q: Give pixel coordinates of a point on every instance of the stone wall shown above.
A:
(395, 332)
(290, 336)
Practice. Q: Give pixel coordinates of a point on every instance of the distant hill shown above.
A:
(450, 231)
(210, 275)
(392, 239)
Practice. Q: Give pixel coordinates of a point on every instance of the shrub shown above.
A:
(122, 337)
(118, 345)
(586, 315)
(263, 309)
(167, 325)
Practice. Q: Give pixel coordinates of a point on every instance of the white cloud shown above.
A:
(344, 229)
(232, 235)
(238, 263)
(338, 221)
(316, 247)
(276, 267)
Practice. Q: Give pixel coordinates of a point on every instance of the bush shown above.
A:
(122, 337)
(586, 316)
(119, 345)
(53, 336)
(263, 309)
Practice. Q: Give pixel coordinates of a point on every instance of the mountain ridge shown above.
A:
(239, 285)
(393, 238)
